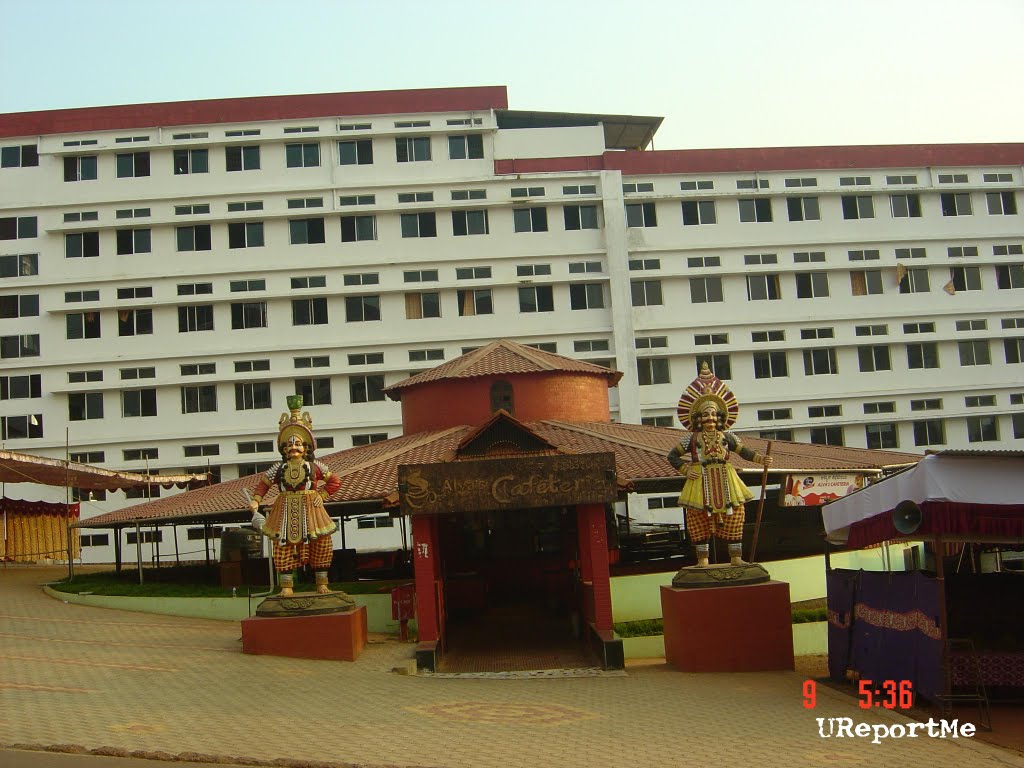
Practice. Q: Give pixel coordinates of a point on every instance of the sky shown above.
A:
(725, 73)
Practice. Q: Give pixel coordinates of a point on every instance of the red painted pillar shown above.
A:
(426, 568)
(593, 529)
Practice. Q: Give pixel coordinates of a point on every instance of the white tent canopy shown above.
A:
(995, 479)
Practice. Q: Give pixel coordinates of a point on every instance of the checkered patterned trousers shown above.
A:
(318, 553)
(702, 526)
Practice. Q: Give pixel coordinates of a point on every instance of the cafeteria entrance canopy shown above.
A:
(23, 468)
(963, 495)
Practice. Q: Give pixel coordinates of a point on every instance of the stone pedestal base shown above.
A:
(728, 629)
(339, 636)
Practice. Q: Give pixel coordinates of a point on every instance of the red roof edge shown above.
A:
(667, 161)
(252, 109)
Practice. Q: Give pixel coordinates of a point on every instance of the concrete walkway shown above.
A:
(181, 689)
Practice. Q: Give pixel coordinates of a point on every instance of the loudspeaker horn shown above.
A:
(906, 517)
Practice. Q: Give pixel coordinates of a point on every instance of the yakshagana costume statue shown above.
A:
(713, 495)
(298, 523)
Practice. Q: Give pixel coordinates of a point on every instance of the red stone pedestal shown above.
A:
(728, 629)
(338, 636)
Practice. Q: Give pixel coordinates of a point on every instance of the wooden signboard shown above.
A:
(518, 483)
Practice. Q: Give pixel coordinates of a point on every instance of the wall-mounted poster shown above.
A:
(815, 490)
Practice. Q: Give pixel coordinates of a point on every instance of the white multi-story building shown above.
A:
(170, 272)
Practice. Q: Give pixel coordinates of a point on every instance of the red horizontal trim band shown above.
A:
(947, 518)
(253, 109)
(654, 162)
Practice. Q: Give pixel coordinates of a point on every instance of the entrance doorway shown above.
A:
(511, 595)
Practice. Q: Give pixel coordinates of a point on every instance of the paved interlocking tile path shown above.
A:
(182, 688)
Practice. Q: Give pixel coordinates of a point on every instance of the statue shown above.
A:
(713, 495)
(298, 523)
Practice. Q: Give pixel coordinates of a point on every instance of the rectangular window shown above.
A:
(18, 227)
(915, 280)
(755, 209)
(929, 432)
(19, 265)
(774, 414)
(243, 158)
(641, 215)
(314, 391)
(412, 149)
(955, 203)
(1013, 349)
(696, 212)
(924, 354)
(882, 435)
(469, 223)
(536, 298)
(475, 302)
(134, 322)
(82, 325)
(200, 398)
(366, 389)
(982, 429)
(828, 435)
(704, 290)
(811, 285)
(309, 311)
(974, 352)
(646, 293)
(20, 387)
(24, 305)
(131, 241)
(79, 245)
(652, 370)
(905, 206)
(191, 161)
(305, 155)
(586, 296)
(19, 156)
(580, 217)
(357, 152)
(1001, 203)
(132, 164)
(422, 305)
(355, 228)
(306, 231)
(320, 361)
(866, 282)
(820, 362)
(858, 207)
(719, 365)
(466, 147)
(195, 318)
(360, 309)
(530, 219)
(760, 337)
(252, 395)
(868, 255)
(366, 358)
(965, 278)
(80, 168)
(193, 238)
(245, 234)
(803, 208)
(249, 314)
(138, 402)
(423, 224)
(83, 406)
(1009, 276)
(19, 346)
(763, 288)
(874, 358)
(770, 365)
(22, 427)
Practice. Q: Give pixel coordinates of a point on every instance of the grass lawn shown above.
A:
(191, 581)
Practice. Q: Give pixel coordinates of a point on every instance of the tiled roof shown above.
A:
(24, 468)
(501, 358)
(370, 473)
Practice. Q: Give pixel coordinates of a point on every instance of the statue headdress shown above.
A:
(292, 423)
(707, 388)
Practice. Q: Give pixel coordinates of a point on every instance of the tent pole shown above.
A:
(117, 550)
(138, 549)
(940, 577)
(177, 557)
